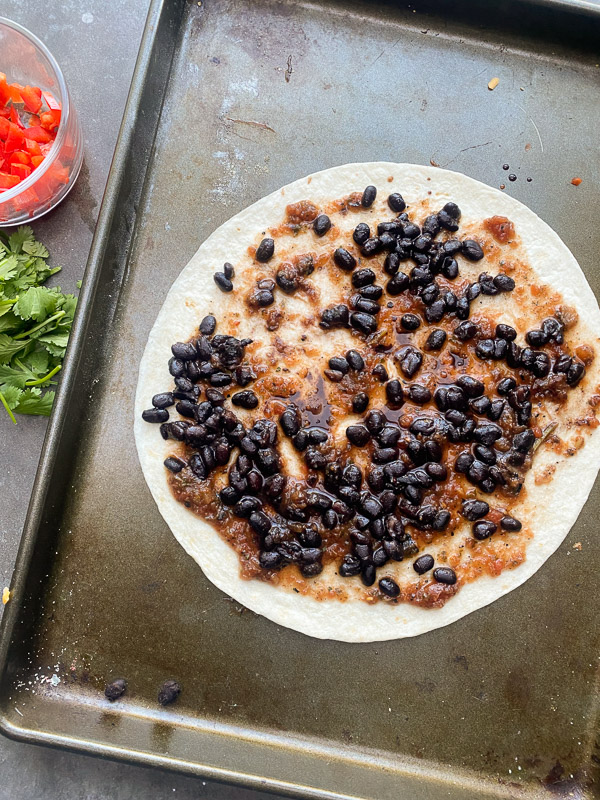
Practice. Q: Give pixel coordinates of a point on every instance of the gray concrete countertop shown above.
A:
(96, 44)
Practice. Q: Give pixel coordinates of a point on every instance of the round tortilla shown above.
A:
(194, 294)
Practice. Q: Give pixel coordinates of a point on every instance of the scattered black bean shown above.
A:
(335, 317)
(394, 393)
(445, 575)
(116, 689)
(368, 196)
(371, 292)
(168, 692)
(155, 415)
(396, 202)
(362, 232)
(435, 340)
(365, 323)
(357, 435)
(174, 465)
(504, 283)
(224, 283)
(389, 587)
(484, 529)
(398, 284)
(510, 524)
(360, 402)
(321, 224)
(410, 360)
(466, 330)
(265, 250)
(380, 372)
(472, 250)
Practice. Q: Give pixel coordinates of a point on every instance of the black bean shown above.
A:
(371, 292)
(463, 308)
(575, 373)
(393, 549)
(383, 455)
(541, 365)
(475, 289)
(440, 398)
(290, 420)
(155, 415)
(379, 557)
(398, 284)
(484, 529)
(376, 479)
(487, 433)
(485, 454)
(423, 426)
(176, 367)
(389, 587)
(352, 476)
(246, 506)
(445, 575)
(504, 283)
(195, 435)
(455, 398)
(466, 330)
(480, 405)
(209, 324)
(363, 277)
(513, 355)
(321, 224)
(344, 259)
(536, 338)
(423, 564)
(197, 466)
(474, 509)
(410, 360)
(368, 306)
(260, 522)
(524, 441)
(471, 386)
(372, 246)
(168, 692)
(463, 462)
(430, 293)
(391, 265)
(420, 276)
(450, 268)
(224, 283)
(365, 323)
(516, 458)
(457, 418)
(358, 435)
(495, 410)
(174, 465)
(245, 399)
(435, 340)
(411, 231)
(510, 524)
(265, 250)
(410, 322)
(362, 232)
(435, 312)
(350, 566)
(396, 202)
(186, 351)
(472, 250)
(447, 221)
(116, 689)
(388, 436)
(437, 471)
(422, 242)
(486, 285)
(505, 332)
(368, 574)
(362, 523)
(269, 559)
(354, 360)
(333, 375)
(334, 317)
(553, 329)
(263, 298)
(375, 420)
(394, 393)
(485, 349)
(267, 461)
(368, 196)
(360, 402)
(505, 386)
(380, 372)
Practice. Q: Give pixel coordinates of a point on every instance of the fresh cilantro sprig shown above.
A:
(35, 322)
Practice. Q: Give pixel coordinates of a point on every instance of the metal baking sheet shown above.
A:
(230, 100)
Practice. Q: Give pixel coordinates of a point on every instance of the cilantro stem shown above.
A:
(43, 324)
(6, 406)
(45, 378)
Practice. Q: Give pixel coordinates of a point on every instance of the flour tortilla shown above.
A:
(194, 294)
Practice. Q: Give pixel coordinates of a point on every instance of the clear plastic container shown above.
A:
(26, 60)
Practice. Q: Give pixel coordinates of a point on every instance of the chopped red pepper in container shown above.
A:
(41, 146)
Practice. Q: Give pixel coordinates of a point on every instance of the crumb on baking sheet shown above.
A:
(5, 595)
(493, 83)
(577, 546)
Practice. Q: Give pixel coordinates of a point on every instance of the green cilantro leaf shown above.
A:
(35, 323)
(36, 303)
(32, 401)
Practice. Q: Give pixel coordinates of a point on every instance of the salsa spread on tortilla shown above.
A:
(357, 413)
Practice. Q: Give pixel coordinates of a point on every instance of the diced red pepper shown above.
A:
(48, 120)
(20, 157)
(4, 128)
(8, 181)
(33, 148)
(36, 160)
(8, 91)
(15, 139)
(22, 171)
(15, 118)
(38, 134)
(31, 98)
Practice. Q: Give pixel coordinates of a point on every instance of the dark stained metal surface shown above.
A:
(502, 703)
